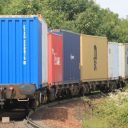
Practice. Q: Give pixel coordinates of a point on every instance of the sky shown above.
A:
(118, 6)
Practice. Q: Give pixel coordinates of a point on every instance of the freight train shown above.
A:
(38, 65)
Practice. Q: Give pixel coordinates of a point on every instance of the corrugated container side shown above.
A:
(54, 58)
(94, 58)
(44, 52)
(121, 60)
(126, 60)
(71, 57)
(20, 50)
(113, 60)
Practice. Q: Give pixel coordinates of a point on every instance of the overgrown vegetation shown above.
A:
(109, 112)
(83, 16)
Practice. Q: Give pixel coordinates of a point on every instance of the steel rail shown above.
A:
(29, 123)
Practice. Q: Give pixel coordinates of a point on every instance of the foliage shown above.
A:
(76, 15)
(90, 24)
(111, 112)
(22, 7)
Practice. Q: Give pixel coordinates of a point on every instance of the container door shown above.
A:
(71, 57)
(54, 58)
(113, 60)
(126, 60)
(121, 60)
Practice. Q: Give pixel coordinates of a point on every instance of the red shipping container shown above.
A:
(54, 58)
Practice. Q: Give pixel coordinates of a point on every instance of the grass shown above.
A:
(108, 112)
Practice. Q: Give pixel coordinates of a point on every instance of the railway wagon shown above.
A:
(85, 65)
(22, 47)
(70, 63)
(55, 65)
(71, 55)
(117, 62)
(123, 61)
(93, 62)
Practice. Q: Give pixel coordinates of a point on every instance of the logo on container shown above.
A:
(24, 44)
(72, 57)
(95, 58)
(56, 58)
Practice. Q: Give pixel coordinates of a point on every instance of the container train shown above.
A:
(37, 65)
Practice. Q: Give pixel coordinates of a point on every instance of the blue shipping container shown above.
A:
(71, 57)
(20, 50)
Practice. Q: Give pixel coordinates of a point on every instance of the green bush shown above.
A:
(110, 112)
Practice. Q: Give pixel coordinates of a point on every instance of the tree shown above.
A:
(109, 23)
(3, 4)
(75, 15)
(22, 7)
(88, 22)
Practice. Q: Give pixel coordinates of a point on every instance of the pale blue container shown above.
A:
(113, 60)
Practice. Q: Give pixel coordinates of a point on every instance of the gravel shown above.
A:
(18, 124)
(64, 115)
(67, 115)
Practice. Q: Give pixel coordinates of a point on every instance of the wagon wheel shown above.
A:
(51, 94)
(35, 102)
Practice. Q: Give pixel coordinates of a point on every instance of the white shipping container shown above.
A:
(121, 60)
(113, 60)
(44, 53)
(126, 60)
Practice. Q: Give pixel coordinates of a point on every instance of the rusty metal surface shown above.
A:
(17, 92)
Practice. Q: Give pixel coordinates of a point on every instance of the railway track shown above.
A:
(14, 114)
(29, 123)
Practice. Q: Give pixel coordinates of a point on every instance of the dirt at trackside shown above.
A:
(67, 115)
